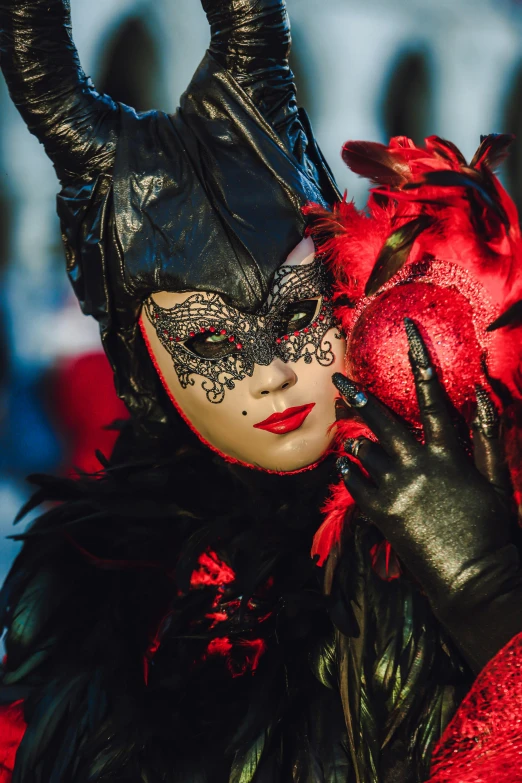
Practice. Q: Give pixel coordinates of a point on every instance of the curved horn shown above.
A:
(251, 40)
(76, 125)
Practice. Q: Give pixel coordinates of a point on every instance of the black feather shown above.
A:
(475, 181)
(511, 317)
(373, 161)
(395, 252)
(448, 151)
(78, 632)
(493, 150)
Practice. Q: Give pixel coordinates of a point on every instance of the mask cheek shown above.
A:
(312, 342)
(190, 402)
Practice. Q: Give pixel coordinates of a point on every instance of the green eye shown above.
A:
(299, 315)
(216, 338)
(209, 345)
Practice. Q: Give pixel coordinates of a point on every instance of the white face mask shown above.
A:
(255, 388)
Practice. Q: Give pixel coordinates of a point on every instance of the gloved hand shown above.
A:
(448, 518)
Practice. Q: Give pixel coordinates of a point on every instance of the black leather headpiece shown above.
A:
(206, 199)
(210, 198)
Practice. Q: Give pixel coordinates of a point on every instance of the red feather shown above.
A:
(462, 271)
(446, 150)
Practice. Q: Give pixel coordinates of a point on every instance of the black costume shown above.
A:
(357, 679)
(96, 578)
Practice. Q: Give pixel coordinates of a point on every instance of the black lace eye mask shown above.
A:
(207, 337)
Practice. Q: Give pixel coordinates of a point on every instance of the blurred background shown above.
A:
(364, 70)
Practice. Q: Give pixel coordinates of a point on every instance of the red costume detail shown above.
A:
(12, 729)
(483, 742)
(385, 561)
(242, 657)
(211, 571)
(219, 646)
(83, 417)
(456, 276)
(339, 505)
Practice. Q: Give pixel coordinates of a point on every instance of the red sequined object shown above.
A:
(483, 742)
(12, 730)
(452, 312)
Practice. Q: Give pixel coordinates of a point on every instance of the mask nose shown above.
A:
(276, 377)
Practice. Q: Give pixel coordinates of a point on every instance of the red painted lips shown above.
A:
(288, 420)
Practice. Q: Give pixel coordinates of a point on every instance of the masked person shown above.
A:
(165, 620)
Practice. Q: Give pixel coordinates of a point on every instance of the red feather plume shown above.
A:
(439, 242)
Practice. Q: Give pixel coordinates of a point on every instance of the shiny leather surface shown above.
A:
(444, 514)
(77, 126)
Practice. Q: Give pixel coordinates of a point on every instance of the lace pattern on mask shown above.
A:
(257, 339)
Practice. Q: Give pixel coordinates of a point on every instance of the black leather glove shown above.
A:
(448, 518)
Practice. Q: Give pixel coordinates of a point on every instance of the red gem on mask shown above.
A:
(296, 334)
(231, 339)
(212, 329)
(278, 340)
(166, 334)
(238, 346)
(171, 338)
(285, 337)
(306, 329)
(223, 331)
(192, 334)
(321, 317)
(202, 329)
(178, 339)
(315, 324)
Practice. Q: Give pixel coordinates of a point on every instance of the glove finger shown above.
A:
(433, 404)
(359, 487)
(342, 410)
(393, 435)
(372, 457)
(488, 450)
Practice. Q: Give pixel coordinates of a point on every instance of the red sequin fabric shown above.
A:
(483, 742)
(12, 729)
(437, 296)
